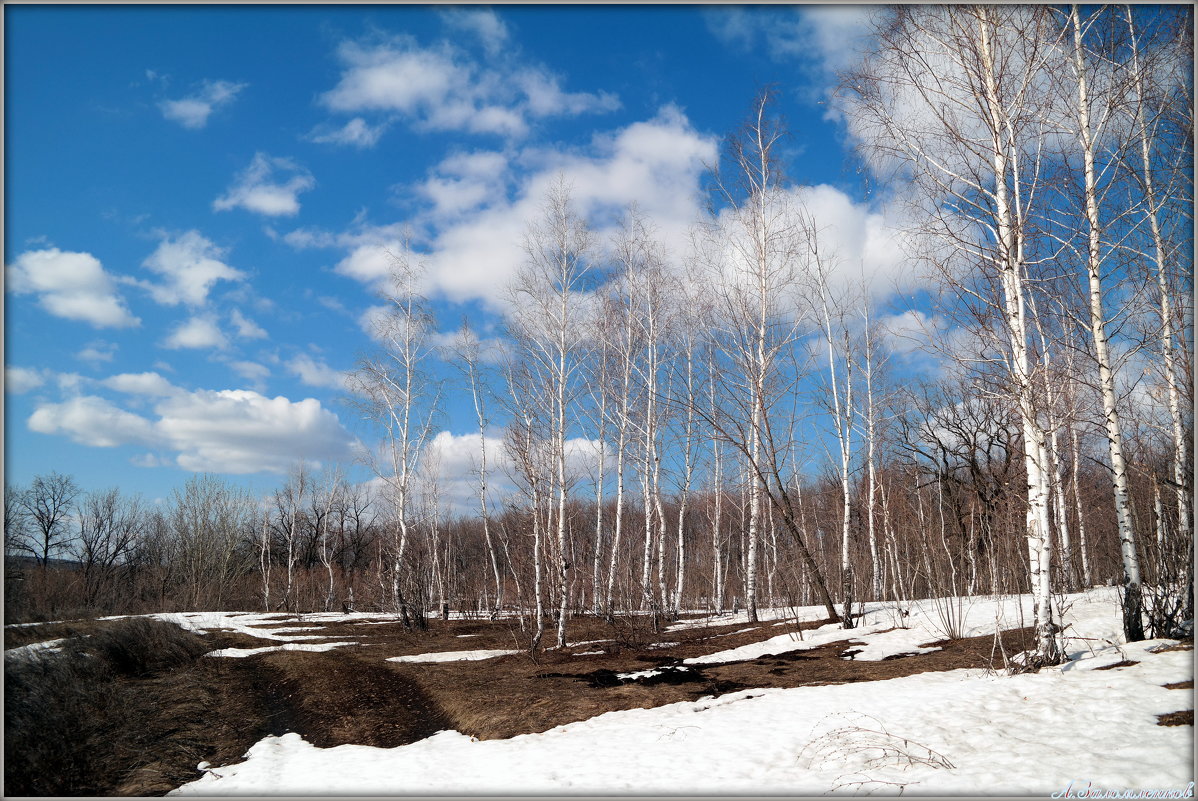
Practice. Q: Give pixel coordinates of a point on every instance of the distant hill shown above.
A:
(21, 563)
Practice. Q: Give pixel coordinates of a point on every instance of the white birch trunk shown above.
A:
(1133, 626)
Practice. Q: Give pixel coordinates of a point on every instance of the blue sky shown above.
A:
(198, 198)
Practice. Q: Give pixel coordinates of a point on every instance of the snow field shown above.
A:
(958, 732)
(1032, 733)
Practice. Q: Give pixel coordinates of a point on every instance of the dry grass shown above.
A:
(1120, 664)
(1183, 718)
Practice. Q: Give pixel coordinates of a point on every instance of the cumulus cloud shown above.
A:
(19, 380)
(149, 384)
(269, 186)
(483, 24)
(193, 110)
(227, 431)
(465, 181)
(867, 241)
(239, 431)
(70, 285)
(190, 265)
(356, 133)
(253, 372)
(491, 350)
(197, 332)
(832, 36)
(246, 328)
(454, 460)
(442, 88)
(316, 373)
(476, 225)
(98, 351)
(90, 420)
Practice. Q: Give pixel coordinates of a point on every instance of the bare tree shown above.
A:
(391, 389)
(47, 503)
(548, 325)
(751, 253)
(109, 526)
(468, 349)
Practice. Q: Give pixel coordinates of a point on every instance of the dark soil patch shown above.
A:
(336, 697)
(1120, 664)
(1188, 684)
(1183, 718)
(1183, 645)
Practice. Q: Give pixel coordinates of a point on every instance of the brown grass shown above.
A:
(1183, 718)
(157, 724)
(1120, 664)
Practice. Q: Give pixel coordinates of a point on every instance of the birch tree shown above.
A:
(751, 254)
(469, 348)
(548, 323)
(391, 389)
(953, 98)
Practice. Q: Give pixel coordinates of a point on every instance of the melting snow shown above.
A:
(240, 652)
(956, 732)
(452, 656)
(47, 647)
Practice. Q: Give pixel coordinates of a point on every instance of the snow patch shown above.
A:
(243, 652)
(453, 656)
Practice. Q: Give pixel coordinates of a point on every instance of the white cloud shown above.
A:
(465, 181)
(90, 420)
(357, 132)
(838, 33)
(253, 372)
(197, 332)
(483, 23)
(228, 431)
(98, 351)
(246, 328)
(912, 331)
(239, 431)
(193, 110)
(190, 265)
(316, 373)
(868, 243)
(491, 350)
(70, 285)
(149, 383)
(69, 382)
(831, 35)
(455, 459)
(441, 88)
(258, 190)
(474, 249)
(19, 380)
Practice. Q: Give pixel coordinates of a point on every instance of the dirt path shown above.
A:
(339, 697)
